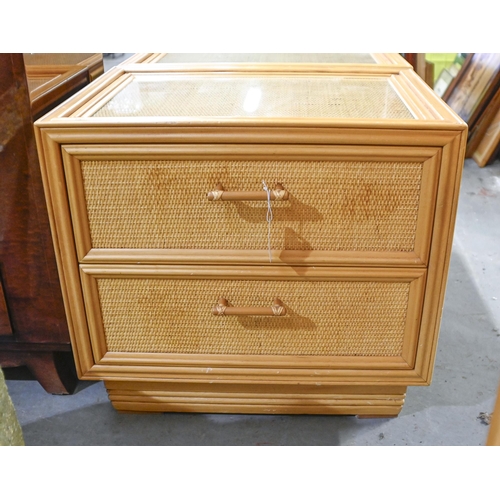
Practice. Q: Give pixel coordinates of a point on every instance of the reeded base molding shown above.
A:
(368, 402)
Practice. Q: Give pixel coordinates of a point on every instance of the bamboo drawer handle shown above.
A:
(223, 309)
(218, 194)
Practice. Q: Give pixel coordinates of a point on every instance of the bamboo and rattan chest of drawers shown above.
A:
(189, 287)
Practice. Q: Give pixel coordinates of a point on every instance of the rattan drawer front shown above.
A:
(334, 206)
(145, 205)
(329, 317)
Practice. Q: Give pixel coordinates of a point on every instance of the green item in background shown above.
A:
(441, 61)
(10, 429)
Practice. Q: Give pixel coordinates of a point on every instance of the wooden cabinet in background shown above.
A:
(50, 85)
(33, 325)
(94, 63)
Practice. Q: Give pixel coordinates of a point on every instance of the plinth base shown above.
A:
(368, 402)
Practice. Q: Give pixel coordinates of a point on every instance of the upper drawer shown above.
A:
(366, 205)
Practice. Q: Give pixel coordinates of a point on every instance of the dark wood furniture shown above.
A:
(94, 63)
(33, 324)
(51, 85)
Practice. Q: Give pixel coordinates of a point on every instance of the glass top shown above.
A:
(206, 96)
(269, 58)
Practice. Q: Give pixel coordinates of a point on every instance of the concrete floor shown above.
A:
(465, 383)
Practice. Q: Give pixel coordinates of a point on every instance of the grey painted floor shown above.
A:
(466, 376)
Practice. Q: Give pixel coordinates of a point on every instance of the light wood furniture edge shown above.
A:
(139, 57)
(494, 432)
(61, 252)
(440, 260)
(428, 95)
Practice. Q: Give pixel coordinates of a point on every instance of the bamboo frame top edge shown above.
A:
(307, 123)
(437, 104)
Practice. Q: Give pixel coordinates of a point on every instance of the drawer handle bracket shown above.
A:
(277, 194)
(224, 309)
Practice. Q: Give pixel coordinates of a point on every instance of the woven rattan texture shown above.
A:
(34, 82)
(334, 205)
(269, 58)
(278, 97)
(327, 318)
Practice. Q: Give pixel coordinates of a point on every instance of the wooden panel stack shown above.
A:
(475, 95)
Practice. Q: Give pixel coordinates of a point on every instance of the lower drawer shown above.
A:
(174, 316)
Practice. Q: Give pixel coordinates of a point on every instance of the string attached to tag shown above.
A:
(269, 218)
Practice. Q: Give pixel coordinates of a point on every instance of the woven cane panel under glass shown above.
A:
(269, 58)
(276, 97)
(329, 318)
(333, 205)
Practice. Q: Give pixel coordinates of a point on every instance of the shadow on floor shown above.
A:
(101, 425)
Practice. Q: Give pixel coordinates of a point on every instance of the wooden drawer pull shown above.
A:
(223, 309)
(277, 194)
